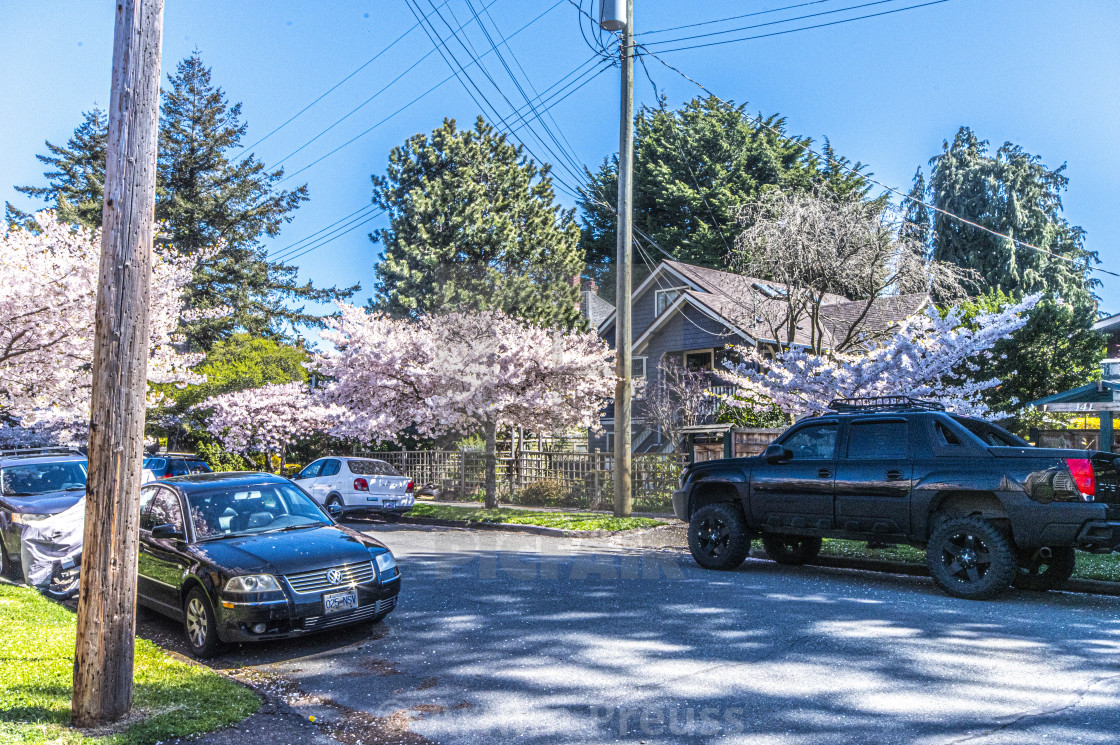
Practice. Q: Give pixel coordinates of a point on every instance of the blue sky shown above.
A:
(885, 90)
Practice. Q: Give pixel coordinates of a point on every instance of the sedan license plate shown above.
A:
(336, 602)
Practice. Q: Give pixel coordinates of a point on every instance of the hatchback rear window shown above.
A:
(372, 468)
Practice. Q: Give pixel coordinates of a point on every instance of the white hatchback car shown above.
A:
(357, 484)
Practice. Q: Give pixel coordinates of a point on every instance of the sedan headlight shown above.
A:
(24, 518)
(252, 583)
(385, 563)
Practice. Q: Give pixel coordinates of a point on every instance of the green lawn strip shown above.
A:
(36, 669)
(564, 520)
(1089, 566)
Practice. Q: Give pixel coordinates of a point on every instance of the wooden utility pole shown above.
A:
(623, 389)
(104, 652)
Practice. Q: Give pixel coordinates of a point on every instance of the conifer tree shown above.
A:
(1014, 193)
(694, 170)
(205, 196)
(77, 184)
(474, 225)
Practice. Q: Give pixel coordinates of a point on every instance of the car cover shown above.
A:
(50, 542)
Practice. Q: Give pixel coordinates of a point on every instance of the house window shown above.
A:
(697, 361)
(662, 299)
(637, 367)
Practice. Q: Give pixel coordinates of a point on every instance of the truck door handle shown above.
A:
(824, 473)
(894, 475)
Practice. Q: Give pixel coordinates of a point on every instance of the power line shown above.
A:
(732, 18)
(333, 228)
(795, 30)
(331, 239)
(426, 93)
(550, 96)
(317, 232)
(774, 23)
(335, 87)
(365, 103)
(468, 48)
(838, 164)
(459, 70)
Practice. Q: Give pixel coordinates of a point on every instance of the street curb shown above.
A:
(516, 528)
(1089, 586)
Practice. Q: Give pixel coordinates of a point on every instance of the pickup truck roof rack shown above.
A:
(882, 403)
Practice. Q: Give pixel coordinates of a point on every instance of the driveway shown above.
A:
(505, 637)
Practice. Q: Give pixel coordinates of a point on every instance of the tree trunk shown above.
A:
(491, 467)
(104, 651)
(283, 457)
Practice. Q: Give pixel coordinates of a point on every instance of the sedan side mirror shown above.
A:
(167, 532)
(776, 453)
(335, 510)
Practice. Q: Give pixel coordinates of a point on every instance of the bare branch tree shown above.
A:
(825, 251)
(678, 399)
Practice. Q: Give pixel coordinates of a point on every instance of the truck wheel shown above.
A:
(1045, 574)
(717, 536)
(791, 549)
(7, 571)
(969, 557)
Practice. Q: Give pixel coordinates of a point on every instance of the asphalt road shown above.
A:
(513, 638)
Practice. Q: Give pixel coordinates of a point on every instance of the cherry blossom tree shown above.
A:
(267, 419)
(462, 372)
(48, 288)
(922, 358)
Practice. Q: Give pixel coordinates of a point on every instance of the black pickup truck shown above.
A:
(990, 510)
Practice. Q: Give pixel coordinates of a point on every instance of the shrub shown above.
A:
(219, 459)
(546, 493)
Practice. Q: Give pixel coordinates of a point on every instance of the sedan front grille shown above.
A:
(319, 580)
(315, 623)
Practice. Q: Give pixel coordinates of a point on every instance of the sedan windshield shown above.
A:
(29, 479)
(256, 509)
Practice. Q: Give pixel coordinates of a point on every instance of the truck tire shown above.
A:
(717, 536)
(1041, 575)
(971, 558)
(791, 549)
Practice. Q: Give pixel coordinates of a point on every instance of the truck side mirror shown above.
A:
(775, 453)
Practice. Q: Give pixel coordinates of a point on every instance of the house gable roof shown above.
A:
(752, 308)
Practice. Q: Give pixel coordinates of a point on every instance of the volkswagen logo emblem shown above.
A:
(334, 576)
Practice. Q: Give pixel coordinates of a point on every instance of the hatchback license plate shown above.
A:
(337, 602)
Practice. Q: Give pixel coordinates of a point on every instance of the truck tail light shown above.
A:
(408, 488)
(1082, 471)
(361, 485)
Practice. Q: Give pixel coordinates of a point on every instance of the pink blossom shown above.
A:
(918, 360)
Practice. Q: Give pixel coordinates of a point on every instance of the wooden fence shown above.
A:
(561, 479)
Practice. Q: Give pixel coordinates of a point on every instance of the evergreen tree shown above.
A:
(694, 170)
(474, 225)
(77, 183)
(1013, 193)
(203, 198)
(207, 198)
(918, 224)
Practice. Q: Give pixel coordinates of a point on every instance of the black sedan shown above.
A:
(250, 556)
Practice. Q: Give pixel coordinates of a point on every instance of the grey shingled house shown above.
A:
(697, 316)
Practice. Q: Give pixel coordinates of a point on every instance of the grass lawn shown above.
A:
(565, 520)
(36, 668)
(1089, 566)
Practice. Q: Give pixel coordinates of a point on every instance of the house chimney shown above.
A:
(590, 285)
